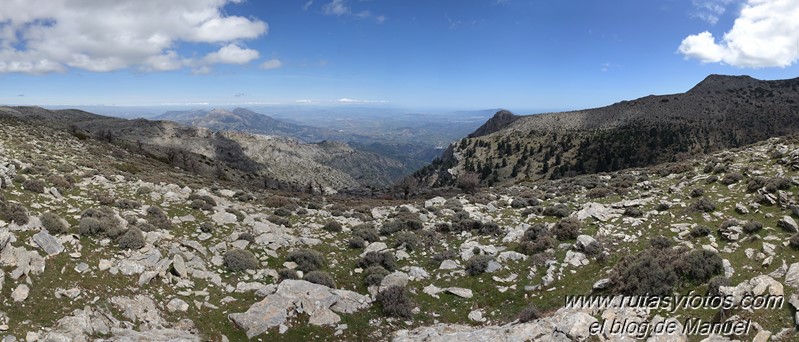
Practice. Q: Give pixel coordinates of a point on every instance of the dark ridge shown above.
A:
(499, 121)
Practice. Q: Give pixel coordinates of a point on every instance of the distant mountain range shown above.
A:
(413, 140)
(268, 161)
(718, 113)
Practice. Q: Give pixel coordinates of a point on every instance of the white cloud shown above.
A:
(307, 5)
(41, 36)
(340, 8)
(336, 7)
(231, 54)
(710, 10)
(766, 34)
(304, 101)
(273, 63)
(346, 100)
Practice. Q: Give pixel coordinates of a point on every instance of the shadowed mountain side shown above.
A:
(720, 112)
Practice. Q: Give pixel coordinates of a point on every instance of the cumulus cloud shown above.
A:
(42, 36)
(766, 34)
(273, 63)
(231, 54)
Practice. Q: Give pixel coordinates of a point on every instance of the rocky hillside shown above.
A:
(98, 241)
(256, 160)
(244, 120)
(720, 112)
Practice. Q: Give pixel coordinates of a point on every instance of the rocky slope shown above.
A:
(257, 160)
(244, 120)
(98, 242)
(720, 112)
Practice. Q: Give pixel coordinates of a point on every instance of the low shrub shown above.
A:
(567, 229)
(386, 260)
(700, 265)
(53, 223)
(206, 227)
(14, 212)
(395, 302)
(285, 273)
(794, 241)
(752, 227)
(239, 260)
(557, 210)
(333, 227)
(374, 275)
(408, 240)
(661, 242)
(34, 185)
(356, 242)
(732, 178)
(700, 231)
(529, 313)
(715, 283)
(478, 264)
(158, 218)
(247, 236)
(320, 277)
(90, 226)
(697, 192)
(702, 205)
(307, 260)
(133, 238)
(633, 212)
(127, 204)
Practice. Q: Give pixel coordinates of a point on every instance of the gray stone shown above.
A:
(395, 279)
(584, 241)
(177, 304)
(179, 266)
(48, 243)
(788, 224)
(602, 284)
(460, 292)
(20, 293)
(298, 296)
(792, 276)
(448, 265)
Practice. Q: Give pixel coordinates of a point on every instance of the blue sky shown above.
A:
(469, 54)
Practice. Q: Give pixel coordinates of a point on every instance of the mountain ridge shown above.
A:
(719, 112)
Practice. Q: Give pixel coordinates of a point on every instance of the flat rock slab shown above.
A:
(460, 292)
(48, 243)
(298, 296)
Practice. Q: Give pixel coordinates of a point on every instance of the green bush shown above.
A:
(752, 227)
(395, 302)
(206, 227)
(366, 232)
(158, 218)
(408, 240)
(374, 275)
(285, 273)
(650, 272)
(529, 313)
(34, 185)
(661, 242)
(385, 260)
(333, 227)
(567, 229)
(478, 264)
(557, 210)
(14, 212)
(239, 260)
(307, 260)
(90, 226)
(356, 242)
(132, 239)
(321, 278)
(794, 241)
(702, 205)
(700, 265)
(700, 231)
(715, 283)
(53, 223)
